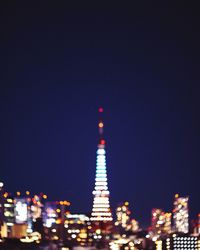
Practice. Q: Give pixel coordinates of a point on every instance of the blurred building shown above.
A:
(167, 229)
(21, 211)
(157, 221)
(77, 229)
(181, 214)
(35, 207)
(180, 242)
(134, 225)
(124, 222)
(123, 215)
(196, 226)
(54, 217)
(9, 212)
(19, 230)
(1, 204)
(50, 215)
(160, 222)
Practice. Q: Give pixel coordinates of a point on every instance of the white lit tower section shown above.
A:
(101, 204)
(181, 214)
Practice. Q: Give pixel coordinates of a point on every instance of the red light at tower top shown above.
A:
(101, 110)
(102, 142)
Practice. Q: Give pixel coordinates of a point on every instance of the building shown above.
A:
(123, 215)
(54, 217)
(9, 212)
(101, 205)
(179, 242)
(124, 222)
(181, 214)
(167, 229)
(78, 227)
(157, 221)
(196, 226)
(21, 211)
(1, 204)
(160, 222)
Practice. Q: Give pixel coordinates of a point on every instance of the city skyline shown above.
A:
(101, 146)
(60, 63)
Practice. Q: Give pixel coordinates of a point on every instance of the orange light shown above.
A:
(27, 192)
(61, 203)
(5, 195)
(18, 193)
(101, 125)
(66, 203)
(58, 221)
(44, 196)
(176, 195)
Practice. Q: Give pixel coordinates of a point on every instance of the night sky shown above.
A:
(60, 62)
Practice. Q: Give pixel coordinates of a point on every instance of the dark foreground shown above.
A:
(16, 245)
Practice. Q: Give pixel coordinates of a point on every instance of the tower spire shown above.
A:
(101, 127)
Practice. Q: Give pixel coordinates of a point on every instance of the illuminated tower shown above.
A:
(101, 205)
(180, 214)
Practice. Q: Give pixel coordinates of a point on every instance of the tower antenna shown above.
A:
(101, 126)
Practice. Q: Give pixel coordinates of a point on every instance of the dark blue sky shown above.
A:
(140, 62)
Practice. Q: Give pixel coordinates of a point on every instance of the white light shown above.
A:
(101, 179)
(101, 168)
(101, 201)
(9, 224)
(101, 198)
(101, 188)
(100, 209)
(101, 171)
(96, 192)
(100, 214)
(102, 162)
(101, 151)
(105, 192)
(101, 183)
(101, 175)
(101, 157)
(100, 205)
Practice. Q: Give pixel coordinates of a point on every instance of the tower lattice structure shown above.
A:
(101, 211)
